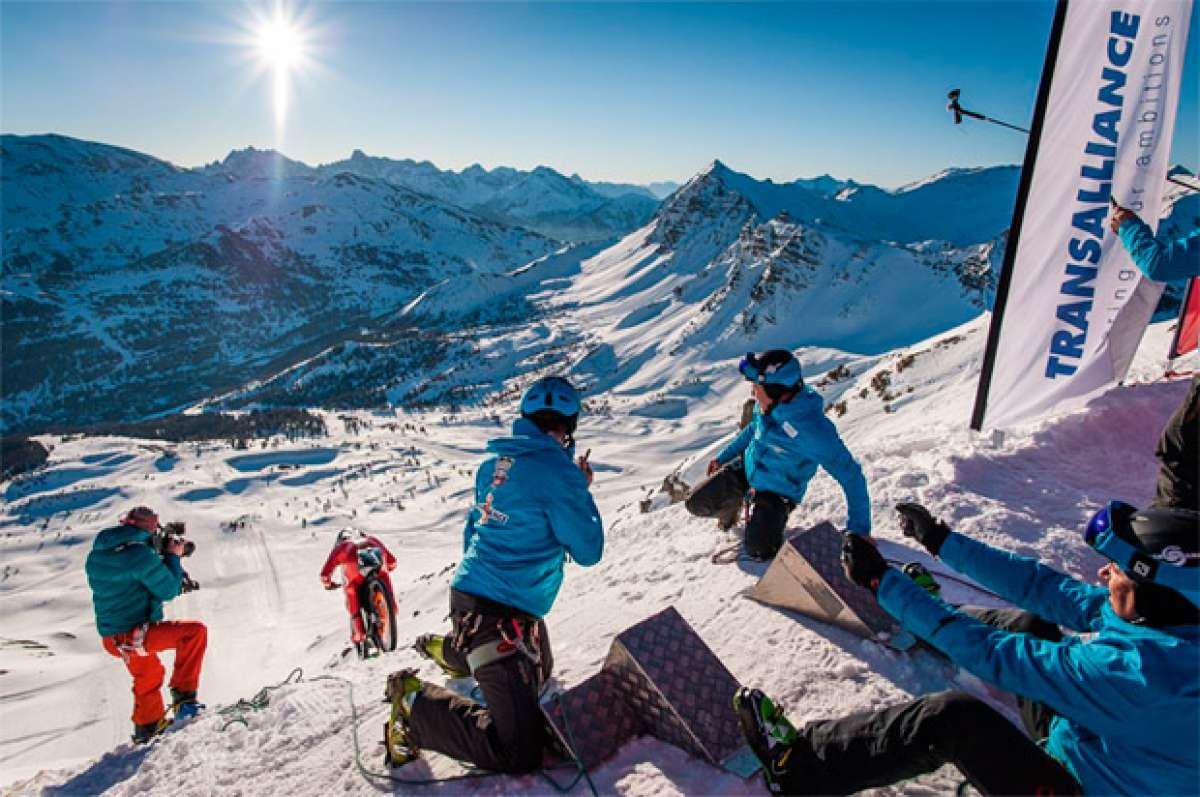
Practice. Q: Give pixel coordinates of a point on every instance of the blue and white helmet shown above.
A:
(552, 394)
(774, 367)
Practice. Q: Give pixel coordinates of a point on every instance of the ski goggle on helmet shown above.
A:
(554, 394)
(1152, 545)
(774, 367)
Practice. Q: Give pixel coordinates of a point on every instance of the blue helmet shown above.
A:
(774, 367)
(552, 394)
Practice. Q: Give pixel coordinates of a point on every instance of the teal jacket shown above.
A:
(129, 580)
(1161, 261)
(532, 508)
(1127, 699)
(782, 450)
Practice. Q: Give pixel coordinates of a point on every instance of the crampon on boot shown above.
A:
(185, 705)
(768, 732)
(432, 647)
(146, 731)
(398, 746)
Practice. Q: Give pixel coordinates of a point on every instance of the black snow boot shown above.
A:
(148, 730)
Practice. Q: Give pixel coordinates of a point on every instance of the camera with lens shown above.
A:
(174, 532)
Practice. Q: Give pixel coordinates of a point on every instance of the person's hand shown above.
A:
(327, 583)
(863, 563)
(1118, 217)
(916, 522)
(586, 468)
(713, 467)
(175, 546)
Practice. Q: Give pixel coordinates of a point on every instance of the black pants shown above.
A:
(878, 748)
(723, 492)
(506, 735)
(1178, 453)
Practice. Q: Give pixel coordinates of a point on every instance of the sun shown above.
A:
(280, 42)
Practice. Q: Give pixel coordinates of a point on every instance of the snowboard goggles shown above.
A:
(1111, 533)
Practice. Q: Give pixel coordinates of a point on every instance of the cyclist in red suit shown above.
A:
(345, 555)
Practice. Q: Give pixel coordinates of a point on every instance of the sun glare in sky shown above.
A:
(280, 42)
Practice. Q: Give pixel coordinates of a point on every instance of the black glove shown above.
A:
(188, 584)
(863, 562)
(916, 522)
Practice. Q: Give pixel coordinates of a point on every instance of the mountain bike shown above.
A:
(376, 606)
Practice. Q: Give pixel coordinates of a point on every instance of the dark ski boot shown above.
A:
(770, 736)
(398, 746)
(146, 731)
(433, 647)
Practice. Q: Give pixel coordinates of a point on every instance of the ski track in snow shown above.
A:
(65, 702)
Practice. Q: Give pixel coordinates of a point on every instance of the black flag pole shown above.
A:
(959, 112)
(1014, 230)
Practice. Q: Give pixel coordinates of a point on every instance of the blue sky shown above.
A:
(630, 92)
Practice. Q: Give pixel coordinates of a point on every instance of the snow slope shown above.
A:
(407, 478)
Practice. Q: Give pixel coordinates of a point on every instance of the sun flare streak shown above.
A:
(281, 44)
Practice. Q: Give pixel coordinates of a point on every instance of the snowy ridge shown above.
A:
(405, 478)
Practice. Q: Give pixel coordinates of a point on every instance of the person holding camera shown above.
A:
(133, 568)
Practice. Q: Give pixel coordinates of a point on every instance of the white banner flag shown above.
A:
(1070, 306)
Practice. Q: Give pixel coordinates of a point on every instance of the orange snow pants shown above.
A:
(139, 649)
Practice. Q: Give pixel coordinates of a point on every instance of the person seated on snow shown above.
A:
(1114, 713)
(130, 581)
(772, 460)
(1178, 449)
(350, 549)
(532, 510)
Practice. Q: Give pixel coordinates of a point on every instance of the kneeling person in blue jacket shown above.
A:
(772, 460)
(1114, 713)
(533, 508)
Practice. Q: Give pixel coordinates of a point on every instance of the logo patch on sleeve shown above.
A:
(791, 430)
(500, 474)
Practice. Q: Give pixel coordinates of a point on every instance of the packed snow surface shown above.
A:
(407, 478)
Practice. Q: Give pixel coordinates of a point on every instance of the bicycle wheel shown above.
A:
(383, 631)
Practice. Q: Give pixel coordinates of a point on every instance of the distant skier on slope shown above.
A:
(532, 510)
(772, 460)
(1117, 713)
(347, 548)
(130, 581)
(1178, 449)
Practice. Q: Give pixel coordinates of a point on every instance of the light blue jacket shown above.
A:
(1161, 261)
(129, 580)
(1127, 699)
(532, 509)
(783, 449)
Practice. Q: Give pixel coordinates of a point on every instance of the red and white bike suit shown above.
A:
(345, 555)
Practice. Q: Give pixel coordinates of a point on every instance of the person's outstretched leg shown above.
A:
(768, 518)
(879, 748)
(189, 639)
(358, 632)
(720, 493)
